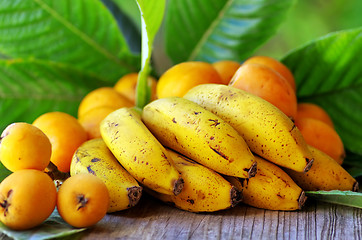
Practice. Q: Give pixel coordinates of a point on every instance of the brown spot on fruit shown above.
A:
(220, 153)
(215, 122)
(280, 196)
(90, 170)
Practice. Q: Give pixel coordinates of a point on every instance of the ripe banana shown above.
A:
(267, 130)
(139, 152)
(200, 135)
(94, 157)
(271, 188)
(325, 174)
(204, 189)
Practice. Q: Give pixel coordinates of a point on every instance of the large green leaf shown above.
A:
(82, 33)
(29, 88)
(328, 72)
(152, 12)
(130, 31)
(211, 30)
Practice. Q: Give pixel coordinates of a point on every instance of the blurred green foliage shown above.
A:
(310, 19)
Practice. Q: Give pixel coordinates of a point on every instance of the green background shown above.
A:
(310, 19)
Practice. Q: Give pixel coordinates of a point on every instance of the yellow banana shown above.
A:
(139, 152)
(325, 174)
(204, 189)
(94, 157)
(200, 135)
(267, 130)
(271, 188)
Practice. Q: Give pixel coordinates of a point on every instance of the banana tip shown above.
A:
(309, 165)
(355, 187)
(302, 199)
(236, 196)
(178, 185)
(134, 195)
(252, 171)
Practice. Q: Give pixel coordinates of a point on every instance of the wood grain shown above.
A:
(151, 219)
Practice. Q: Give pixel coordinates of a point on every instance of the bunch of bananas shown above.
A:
(207, 151)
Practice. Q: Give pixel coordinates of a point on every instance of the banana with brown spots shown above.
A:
(325, 174)
(139, 152)
(204, 189)
(94, 157)
(271, 188)
(195, 132)
(268, 131)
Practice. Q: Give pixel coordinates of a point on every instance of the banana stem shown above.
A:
(302, 199)
(236, 196)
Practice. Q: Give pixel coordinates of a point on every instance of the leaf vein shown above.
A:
(209, 31)
(79, 33)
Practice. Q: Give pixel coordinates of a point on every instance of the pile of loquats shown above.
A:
(29, 195)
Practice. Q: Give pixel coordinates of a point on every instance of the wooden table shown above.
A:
(151, 219)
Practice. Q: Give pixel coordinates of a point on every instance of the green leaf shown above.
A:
(53, 227)
(346, 198)
(212, 30)
(328, 72)
(152, 12)
(131, 10)
(4, 172)
(81, 33)
(130, 31)
(29, 88)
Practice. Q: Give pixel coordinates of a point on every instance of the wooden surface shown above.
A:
(151, 219)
